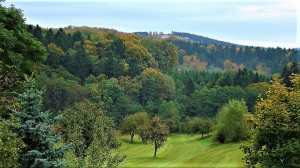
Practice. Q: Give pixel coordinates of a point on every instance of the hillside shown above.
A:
(93, 97)
(186, 37)
(201, 39)
(203, 53)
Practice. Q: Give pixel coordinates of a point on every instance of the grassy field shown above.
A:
(182, 150)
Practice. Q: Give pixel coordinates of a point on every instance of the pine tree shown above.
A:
(49, 38)
(287, 71)
(38, 34)
(35, 131)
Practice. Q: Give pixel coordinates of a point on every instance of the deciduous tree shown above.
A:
(132, 122)
(169, 114)
(199, 125)
(231, 124)
(91, 133)
(275, 128)
(155, 132)
(17, 46)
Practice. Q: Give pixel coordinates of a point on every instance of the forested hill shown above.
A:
(66, 94)
(202, 39)
(186, 37)
(202, 53)
(160, 51)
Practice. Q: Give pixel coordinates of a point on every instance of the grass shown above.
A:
(182, 150)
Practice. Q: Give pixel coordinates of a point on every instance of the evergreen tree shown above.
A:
(61, 39)
(81, 66)
(190, 86)
(77, 37)
(36, 132)
(37, 33)
(287, 72)
(30, 29)
(49, 38)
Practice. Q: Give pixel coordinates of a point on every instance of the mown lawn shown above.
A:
(182, 150)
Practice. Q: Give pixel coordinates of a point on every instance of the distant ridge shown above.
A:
(202, 39)
(187, 37)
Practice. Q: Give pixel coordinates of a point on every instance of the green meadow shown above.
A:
(182, 150)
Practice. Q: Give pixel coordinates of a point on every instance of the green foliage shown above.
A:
(17, 46)
(231, 124)
(115, 101)
(61, 90)
(275, 130)
(10, 144)
(132, 122)
(91, 133)
(10, 82)
(35, 130)
(164, 53)
(264, 61)
(155, 132)
(19, 53)
(80, 65)
(197, 125)
(287, 71)
(155, 86)
(208, 101)
(169, 114)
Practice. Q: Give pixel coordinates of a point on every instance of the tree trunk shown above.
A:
(131, 139)
(202, 136)
(155, 149)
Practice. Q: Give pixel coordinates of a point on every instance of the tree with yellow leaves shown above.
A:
(275, 140)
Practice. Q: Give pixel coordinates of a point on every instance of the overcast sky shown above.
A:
(268, 23)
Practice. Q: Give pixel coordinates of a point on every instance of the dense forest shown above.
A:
(65, 93)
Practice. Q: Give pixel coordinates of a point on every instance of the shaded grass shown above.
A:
(182, 150)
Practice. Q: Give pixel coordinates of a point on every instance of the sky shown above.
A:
(267, 23)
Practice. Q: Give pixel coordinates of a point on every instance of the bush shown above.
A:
(231, 125)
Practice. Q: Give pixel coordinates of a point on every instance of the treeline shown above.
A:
(263, 60)
(200, 39)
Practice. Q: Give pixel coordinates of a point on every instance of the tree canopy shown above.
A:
(275, 130)
(91, 132)
(36, 132)
(155, 132)
(231, 124)
(132, 123)
(17, 46)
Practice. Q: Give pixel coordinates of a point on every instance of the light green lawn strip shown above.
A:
(181, 150)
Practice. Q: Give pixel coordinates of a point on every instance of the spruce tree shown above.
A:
(35, 130)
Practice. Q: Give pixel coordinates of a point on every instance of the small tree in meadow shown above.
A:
(132, 122)
(155, 132)
(198, 125)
